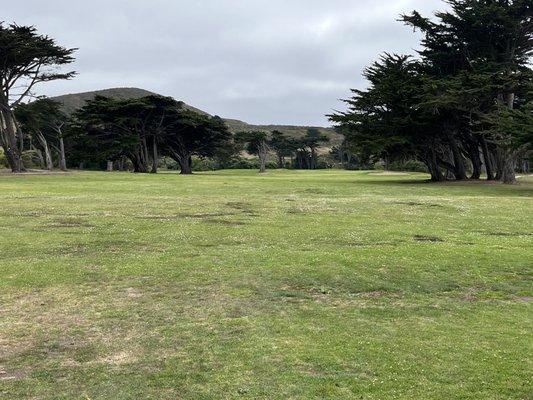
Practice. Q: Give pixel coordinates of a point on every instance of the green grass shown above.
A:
(290, 285)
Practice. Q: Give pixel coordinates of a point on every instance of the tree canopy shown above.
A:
(27, 58)
(143, 129)
(463, 105)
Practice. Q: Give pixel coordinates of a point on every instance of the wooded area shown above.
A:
(465, 104)
(463, 107)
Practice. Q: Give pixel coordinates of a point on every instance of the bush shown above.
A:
(3, 159)
(408, 165)
(203, 164)
(31, 159)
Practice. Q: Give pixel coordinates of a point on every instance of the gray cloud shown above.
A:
(262, 61)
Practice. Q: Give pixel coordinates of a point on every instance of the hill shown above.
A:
(72, 102)
(291, 130)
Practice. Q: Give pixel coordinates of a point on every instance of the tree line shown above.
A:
(136, 134)
(464, 106)
(126, 133)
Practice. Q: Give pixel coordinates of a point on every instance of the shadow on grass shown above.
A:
(468, 187)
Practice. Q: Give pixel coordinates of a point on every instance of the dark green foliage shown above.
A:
(26, 59)
(108, 129)
(189, 133)
(256, 143)
(383, 121)
(141, 130)
(464, 106)
(283, 145)
(306, 156)
(46, 126)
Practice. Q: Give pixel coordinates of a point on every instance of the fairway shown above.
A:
(286, 285)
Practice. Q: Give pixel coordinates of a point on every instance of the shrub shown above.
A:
(3, 159)
(31, 159)
(408, 165)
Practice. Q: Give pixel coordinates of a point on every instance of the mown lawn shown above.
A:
(290, 285)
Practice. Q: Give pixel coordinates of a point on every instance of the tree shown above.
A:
(489, 44)
(190, 133)
(283, 146)
(143, 129)
(108, 129)
(114, 129)
(313, 139)
(158, 115)
(26, 59)
(255, 142)
(512, 129)
(44, 121)
(384, 120)
(445, 108)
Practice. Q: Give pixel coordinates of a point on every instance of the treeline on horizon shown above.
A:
(141, 134)
(153, 132)
(461, 109)
(464, 106)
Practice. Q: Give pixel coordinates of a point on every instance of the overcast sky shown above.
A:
(261, 61)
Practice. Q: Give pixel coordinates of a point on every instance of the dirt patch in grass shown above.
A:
(186, 216)
(74, 249)
(348, 243)
(69, 223)
(119, 358)
(227, 222)
(245, 208)
(526, 299)
(295, 211)
(424, 238)
(6, 375)
(417, 204)
(373, 294)
(218, 244)
(508, 234)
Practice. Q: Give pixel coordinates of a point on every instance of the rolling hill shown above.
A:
(72, 102)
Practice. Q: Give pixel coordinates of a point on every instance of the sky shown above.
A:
(260, 61)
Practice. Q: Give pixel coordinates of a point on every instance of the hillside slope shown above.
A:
(72, 102)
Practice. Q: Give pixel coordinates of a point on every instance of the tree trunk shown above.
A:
(62, 158)
(486, 158)
(139, 160)
(120, 164)
(155, 156)
(8, 137)
(47, 155)
(48, 158)
(312, 163)
(432, 164)
(263, 154)
(185, 162)
(499, 156)
(473, 155)
(387, 163)
(510, 157)
(280, 161)
(143, 156)
(109, 166)
(508, 175)
(459, 166)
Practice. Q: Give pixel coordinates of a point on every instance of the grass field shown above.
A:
(290, 285)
